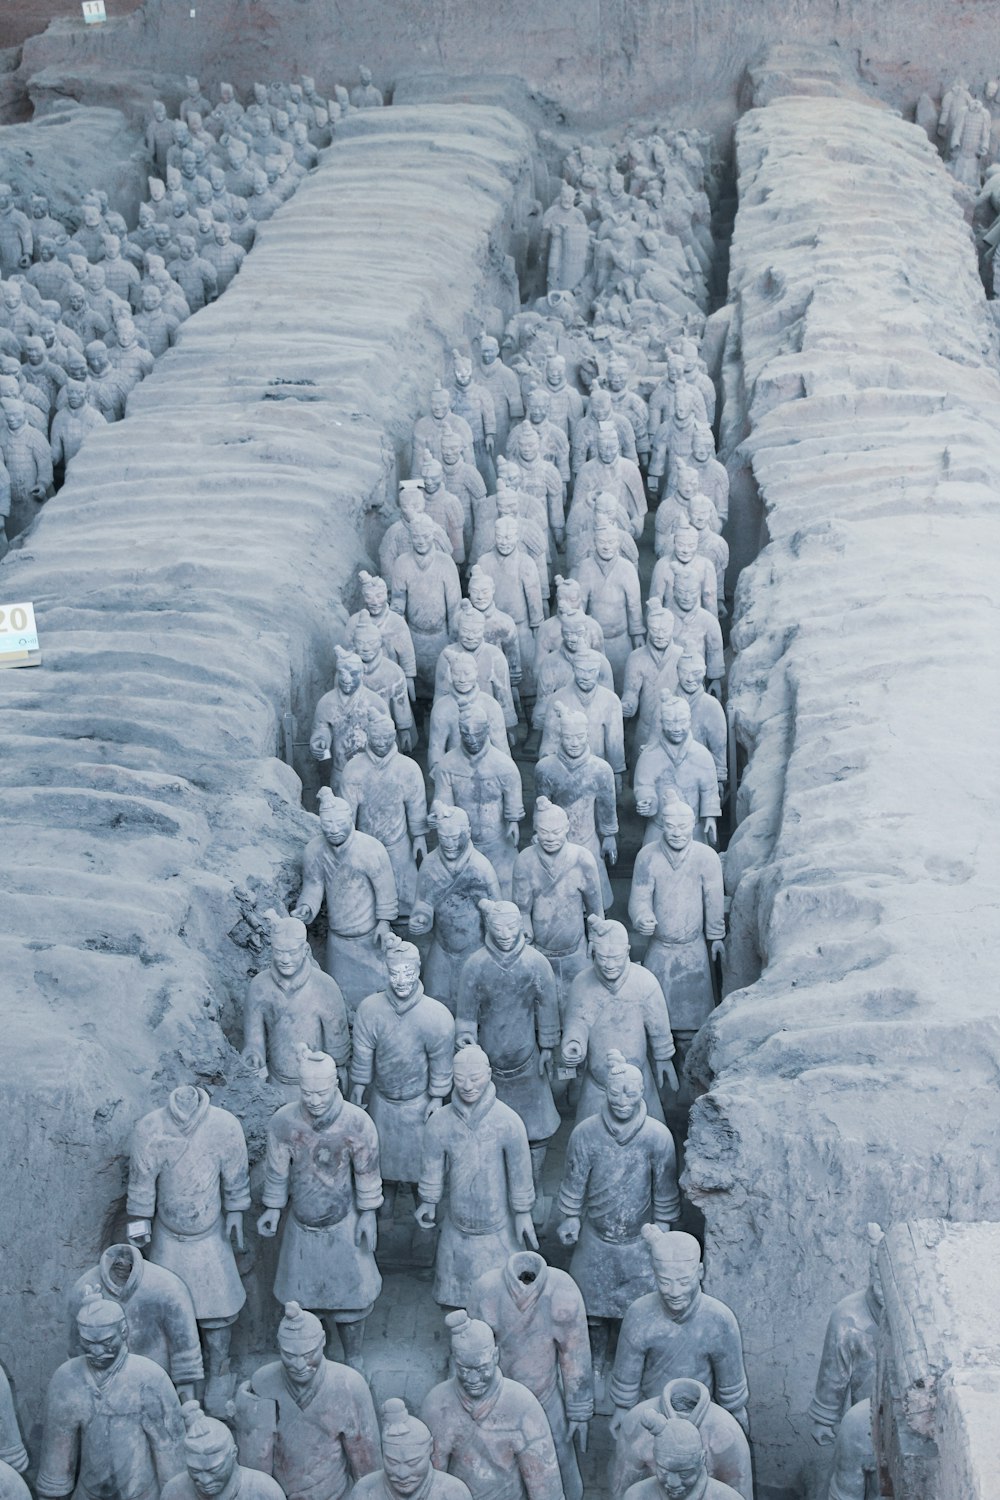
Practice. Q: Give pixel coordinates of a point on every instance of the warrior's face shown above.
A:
(551, 833)
(476, 1379)
(403, 977)
(288, 958)
(472, 1078)
(211, 1472)
(300, 1365)
(102, 1347)
(678, 1285)
(406, 1467)
(624, 1094)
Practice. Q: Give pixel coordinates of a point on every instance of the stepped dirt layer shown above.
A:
(189, 585)
(853, 1073)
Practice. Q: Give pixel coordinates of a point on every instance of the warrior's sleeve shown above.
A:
(643, 891)
(177, 1314)
(633, 601)
(383, 885)
(210, 281)
(57, 1468)
(313, 884)
(709, 805)
(397, 588)
(43, 462)
(143, 1170)
(234, 1166)
(593, 898)
(501, 690)
(254, 1035)
(517, 1159)
(713, 896)
(554, 489)
(56, 446)
(630, 1360)
(666, 1195)
(656, 1018)
(364, 1042)
(12, 1450)
(605, 803)
(415, 801)
(489, 412)
(662, 579)
(440, 1042)
(532, 592)
(632, 685)
(546, 1004)
(576, 1174)
(569, 1318)
(536, 1456)
(833, 1382)
(277, 1165)
(714, 659)
(437, 733)
(644, 780)
(399, 703)
(430, 1188)
(364, 1160)
(452, 598)
(403, 646)
(423, 896)
(709, 588)
(27, 240)
(614, 735)
(731, 1389)
(658, 460)
(718, 735)
(513, 794)
(360, 1436)
(467, 1002)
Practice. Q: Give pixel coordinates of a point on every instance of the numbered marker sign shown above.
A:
(93, 11)
(18, 636)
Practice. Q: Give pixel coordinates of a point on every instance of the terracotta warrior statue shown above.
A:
(614, 1003)
(112, 1423)
(609, 586)
(677, 902)
(323, 1166)
(651, 672)
(442, 506)
(603, 711)
(404, 1042)
(407, 1470)
(583, 785)
(569, 602)
(517, 591)
(188, 1189)
(427, 593)
(461, 693)
(463, 480)
(385, 790)
(397, 642)
(212, 1466)
(847, 1364)
(12, 1450)
(384, 677)
(557, 886)
(451, 883)
(159, 1313)
(685, 561)
(539, 1322)
(498, 626)
(488, 1430)
(680, 1465)
(507, 1004)
(620, 1174)
(306, 1419)
(290, 1002)
(676, 762)
(555, 669)
(698, 631)
(353, 873)
(477, 1165)
(341, 717)
(486, 784)
(678, 1330)
(492, 667)
(396, 541)
(429, 430)
(727, 1452)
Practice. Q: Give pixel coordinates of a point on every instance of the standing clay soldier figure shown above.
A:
(678, 1330)
(517, 591)
(341, 718)
(680, 1465)
(28, 461)
(610, 473)
(503, 386)
(675, 761)
(565, 403)
(397, 642)
(600, 410)
(13, 1454)
(727, 1452)
(462, 693)
(212, 1465)
(713, 478)
(384, 677)
(677, 902)
(847, 1364)
(305, 1419)
(427, 593)
(323, 1165)
(488, 1430)
(569, 603)
(112, 1424)
(565, 242)
(650, 672)
(583, 785)
(486, 784)
(617, 1004)
(557, 886)
(602, 708)
(492, 670)
(407, 1470)
(188, 1189)
(627, 403)
(499, 628)
(471, 400)
(290, 1003)
(159, 136)
(708, 717)
(452, 882)
(553, 444)
(386, 792)
(507, 1004)
(396, 541)
(353, 873)
(365, 95)
(443, 507)
(698, 631)
(477, 1163)
(685, 561)
(159, 1313)
(403, 1047)
(620, 1175)
(194, 100)
(16, 239)
(539, 1322)
(609, 585)
(463, 480)
(555, 669)
(429, 430)
(71, 424)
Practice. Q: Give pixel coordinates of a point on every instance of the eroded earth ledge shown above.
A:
(853, 1070)
(188, 582)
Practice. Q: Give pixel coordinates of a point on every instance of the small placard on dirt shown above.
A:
(93, 12)
(18, 636)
